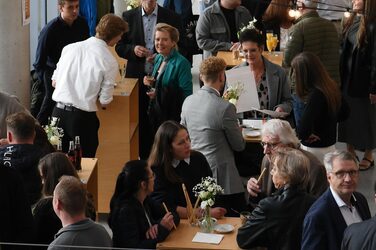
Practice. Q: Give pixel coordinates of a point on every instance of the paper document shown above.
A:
(249, 97)
(208, 238)
(252, 123)
(272, 113)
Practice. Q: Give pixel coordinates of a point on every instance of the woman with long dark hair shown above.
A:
(174, 163)
(135, 219)
(358, 75)
(52, 167)
(322, 96)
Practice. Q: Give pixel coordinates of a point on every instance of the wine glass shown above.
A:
(275, 41)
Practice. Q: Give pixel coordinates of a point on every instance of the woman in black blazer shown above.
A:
(137, 221)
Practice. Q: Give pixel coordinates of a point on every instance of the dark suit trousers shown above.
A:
(47, 104)
(81, 123)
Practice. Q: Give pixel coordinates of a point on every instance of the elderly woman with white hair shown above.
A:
(277, 221)
(275, 134)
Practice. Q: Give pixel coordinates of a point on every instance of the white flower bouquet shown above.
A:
(250, 25)
(131, 4)
(207, 190)
(54, 133)
(233, 92)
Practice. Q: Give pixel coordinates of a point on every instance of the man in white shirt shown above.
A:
(338, 207)
(85, 71)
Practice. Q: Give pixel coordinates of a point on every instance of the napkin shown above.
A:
(208, 238)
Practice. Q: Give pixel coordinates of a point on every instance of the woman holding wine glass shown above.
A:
(271, 79)
(171, 80)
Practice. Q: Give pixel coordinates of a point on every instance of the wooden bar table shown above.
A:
(275, 57)
(89, 177)
(181, 238)
(118, 138)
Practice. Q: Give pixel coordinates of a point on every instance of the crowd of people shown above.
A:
(306, 197)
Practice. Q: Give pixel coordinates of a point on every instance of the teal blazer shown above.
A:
(177, 71)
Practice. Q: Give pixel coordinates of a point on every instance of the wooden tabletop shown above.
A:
(181, 238)
(89, 177)
(275, 57)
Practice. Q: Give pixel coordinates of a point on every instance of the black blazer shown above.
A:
(135, 36)
(360, 236)
(129, 223)
(363, 65)
(324, 224)
(276, 223)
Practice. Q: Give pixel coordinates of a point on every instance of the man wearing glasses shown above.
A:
(278, 133)
(339, 207)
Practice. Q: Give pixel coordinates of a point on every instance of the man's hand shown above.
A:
(104, 106)
(53, 83)
(235, 46)
(141, 51)
(253, 188)
(279, 109)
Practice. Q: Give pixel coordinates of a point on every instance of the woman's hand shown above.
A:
(152, 232)
(218, 212)
(149, 80)
(372, 98)
(167, 221)
(151, 93)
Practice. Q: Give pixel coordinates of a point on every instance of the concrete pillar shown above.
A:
(14, 51)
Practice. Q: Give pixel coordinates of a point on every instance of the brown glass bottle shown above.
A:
(78, 153)
(71, 153)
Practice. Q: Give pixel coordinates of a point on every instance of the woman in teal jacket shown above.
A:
(171, 80)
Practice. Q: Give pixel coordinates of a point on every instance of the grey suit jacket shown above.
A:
(278, 86)
(214, 131)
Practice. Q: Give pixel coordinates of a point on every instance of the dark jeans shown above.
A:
(81, 123)
(47, 104)
(298, 106)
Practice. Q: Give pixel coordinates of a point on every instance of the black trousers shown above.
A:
(84, 124)
(47, 104)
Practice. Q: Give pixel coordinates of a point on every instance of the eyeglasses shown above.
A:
(269, 144)
(342, 174)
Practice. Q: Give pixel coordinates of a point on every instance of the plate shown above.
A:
(223, 228)
(253, 133)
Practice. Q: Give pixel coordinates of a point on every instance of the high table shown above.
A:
(89, 177)
(275, 57)
(181, 238)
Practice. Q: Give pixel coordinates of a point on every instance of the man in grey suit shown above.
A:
(213, 127)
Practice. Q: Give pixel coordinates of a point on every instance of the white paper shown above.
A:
(208, 238)
(252, 123)
(249, 97)
(272, 113)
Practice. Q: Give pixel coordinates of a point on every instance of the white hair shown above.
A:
(283, 130)
(341, 155)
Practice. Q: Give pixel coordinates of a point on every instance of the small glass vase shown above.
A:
(207, 222)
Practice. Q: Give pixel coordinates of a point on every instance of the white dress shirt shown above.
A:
(350, 213)
(85, 71)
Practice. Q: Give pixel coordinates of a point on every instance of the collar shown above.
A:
(176, 162)
(211, 89)
(172, 54)
(98, 40)
(155, 11)
(307, 15)
(339, 201)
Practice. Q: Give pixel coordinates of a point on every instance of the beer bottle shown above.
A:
(78, 153)
(71, 153)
